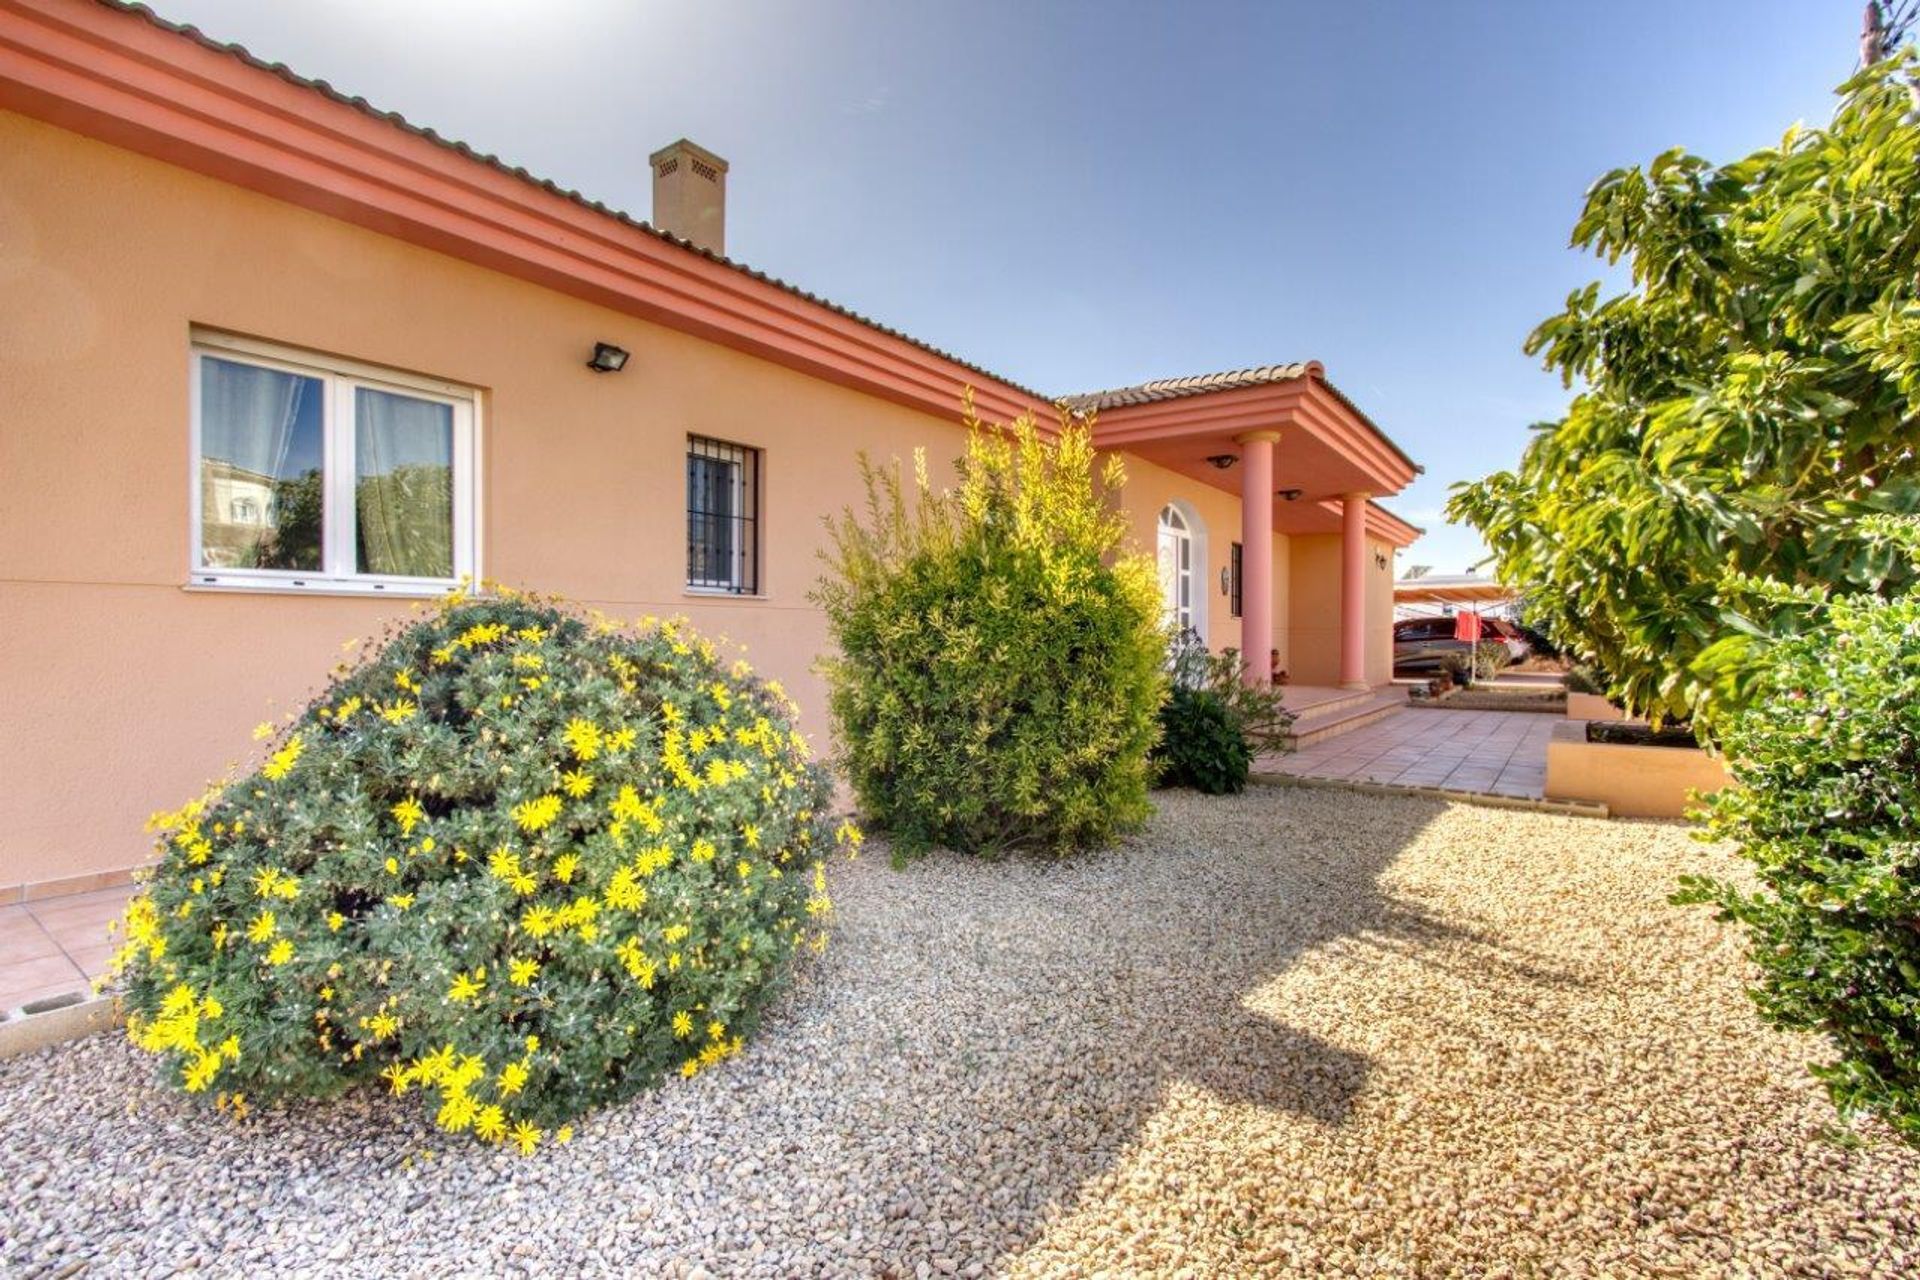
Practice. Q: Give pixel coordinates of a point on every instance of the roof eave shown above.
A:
(119, 73)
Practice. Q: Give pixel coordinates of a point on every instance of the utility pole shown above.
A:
(1885, 24)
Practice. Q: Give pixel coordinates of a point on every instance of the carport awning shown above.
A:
(1465, 589)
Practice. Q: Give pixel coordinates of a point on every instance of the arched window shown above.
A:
(1179, 569)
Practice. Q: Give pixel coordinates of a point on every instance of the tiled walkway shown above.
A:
(1501, 752)
(56, 945)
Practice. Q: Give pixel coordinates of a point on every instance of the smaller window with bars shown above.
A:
(723, 517)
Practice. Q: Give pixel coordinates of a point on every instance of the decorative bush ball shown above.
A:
(1000, 650)
(518, 863)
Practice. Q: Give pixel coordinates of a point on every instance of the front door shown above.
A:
(1176, 570)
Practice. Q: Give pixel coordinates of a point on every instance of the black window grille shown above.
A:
(1233, 579)
(723, 516)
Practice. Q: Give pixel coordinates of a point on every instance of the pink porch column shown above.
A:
(1353, 591)
(1256, 553)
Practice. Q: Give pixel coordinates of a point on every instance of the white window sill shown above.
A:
(721, 593)
(318, 586)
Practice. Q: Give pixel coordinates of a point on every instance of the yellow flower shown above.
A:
(716, 1031)
(397, 712)
(751, 834)
(398, 1077)
(456, 1112)
(576, 783)
(536, 815)
(504, 865)
(262, 927)
(683, 1024)
(281, 952)
(703, 850)
(513, 1078)
(564, 866)
(583, 736)
(263, 731)
(466, 986)
(523, 972)
(281, 762)
(624, 891)
(400, 901)
(526, 1137)
(408, 814)
(382, 1025)
(564, 1134)
(491, 1123)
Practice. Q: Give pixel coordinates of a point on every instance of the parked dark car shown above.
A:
(1423, 644)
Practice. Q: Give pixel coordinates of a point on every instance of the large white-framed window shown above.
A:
(316, 474)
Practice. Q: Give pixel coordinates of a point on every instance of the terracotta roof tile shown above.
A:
(1192, 385)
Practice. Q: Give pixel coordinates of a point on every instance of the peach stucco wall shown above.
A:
(1314, 612)
(123, 691)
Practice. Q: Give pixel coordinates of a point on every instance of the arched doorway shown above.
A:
(1183, 559)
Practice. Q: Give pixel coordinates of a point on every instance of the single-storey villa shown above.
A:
(272, 362)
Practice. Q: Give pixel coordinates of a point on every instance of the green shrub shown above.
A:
(999, 651)
(1585, 677)
(1201, 744)
(1214, 723)
(517, 861)
(1826, 806)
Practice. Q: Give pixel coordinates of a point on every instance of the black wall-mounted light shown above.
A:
(1379, 561)
(607, 358)
(1221, 461)
(1291, 495)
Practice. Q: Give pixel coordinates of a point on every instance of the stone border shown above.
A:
(1485, 799)
(56, 1020)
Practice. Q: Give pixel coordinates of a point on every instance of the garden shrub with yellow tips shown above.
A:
(519, 863)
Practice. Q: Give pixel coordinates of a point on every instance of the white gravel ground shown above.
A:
(1295, 1032)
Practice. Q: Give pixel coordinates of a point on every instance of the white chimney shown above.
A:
(690, 194)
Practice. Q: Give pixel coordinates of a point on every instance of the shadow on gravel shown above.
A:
(1067, 1017)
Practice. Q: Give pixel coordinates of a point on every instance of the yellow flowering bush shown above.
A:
(518, 863)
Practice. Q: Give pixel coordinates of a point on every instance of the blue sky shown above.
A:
(1085, 195)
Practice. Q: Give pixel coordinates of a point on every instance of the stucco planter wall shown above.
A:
(1591, 706)
(1632, 781)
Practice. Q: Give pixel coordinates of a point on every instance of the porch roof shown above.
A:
(1328, 448)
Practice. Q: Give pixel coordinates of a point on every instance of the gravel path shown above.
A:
(1297, 1031)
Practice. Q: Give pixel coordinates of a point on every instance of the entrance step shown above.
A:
(1323, 720)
